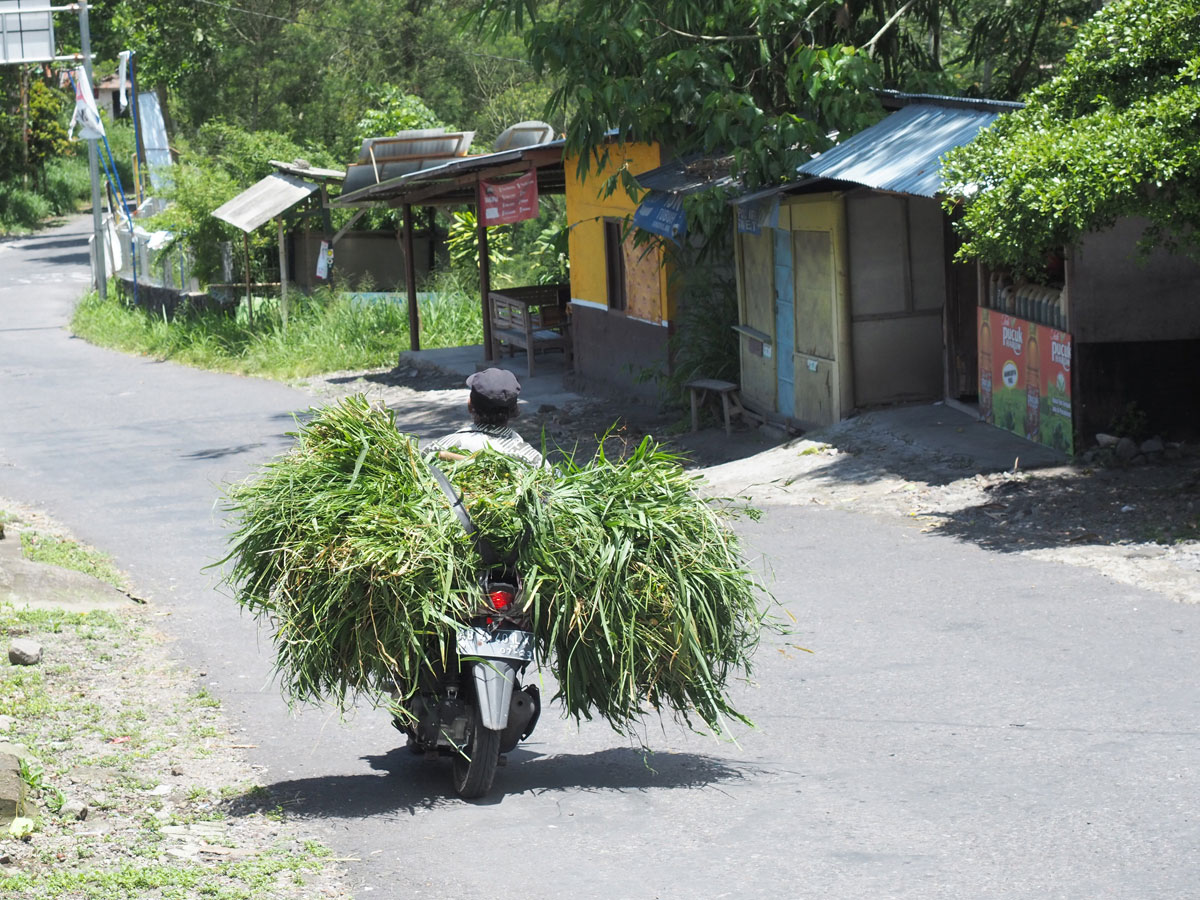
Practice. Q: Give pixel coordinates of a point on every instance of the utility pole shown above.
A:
(98, 240)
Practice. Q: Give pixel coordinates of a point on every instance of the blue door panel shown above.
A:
(785, 324)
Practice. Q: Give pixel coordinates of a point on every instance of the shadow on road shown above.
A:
(64, 259)
(1158, 504)
(409, 784)
(219, 452)
(35, 243)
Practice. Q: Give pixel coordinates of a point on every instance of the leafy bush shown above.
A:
(66, 184)
(1112, 135)
(21, 209)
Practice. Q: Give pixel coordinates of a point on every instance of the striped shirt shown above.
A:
(500, 438)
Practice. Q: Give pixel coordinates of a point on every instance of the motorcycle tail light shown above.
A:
(500, 599)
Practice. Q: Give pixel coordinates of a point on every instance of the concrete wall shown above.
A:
(1114, 298)
(359, 255)
(1159, 378)
(614, 350)
(897, 291)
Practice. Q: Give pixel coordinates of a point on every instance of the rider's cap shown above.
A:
(496, 387)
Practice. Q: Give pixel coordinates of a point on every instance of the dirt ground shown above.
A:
(1135, 523)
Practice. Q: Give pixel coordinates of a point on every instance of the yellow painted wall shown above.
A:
(586, 211)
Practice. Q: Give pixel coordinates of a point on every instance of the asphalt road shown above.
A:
(969, 724)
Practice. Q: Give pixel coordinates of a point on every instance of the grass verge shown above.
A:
(68, 554)
(326, 332)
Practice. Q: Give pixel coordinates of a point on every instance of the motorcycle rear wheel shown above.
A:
(475, 764)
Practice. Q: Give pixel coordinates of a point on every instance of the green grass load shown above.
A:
(637, 590)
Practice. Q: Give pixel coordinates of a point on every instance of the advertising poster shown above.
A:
(1025, 378)
(1055, 401)
(511, 201)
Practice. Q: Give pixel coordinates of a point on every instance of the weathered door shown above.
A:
(822, 353)
(757, 332)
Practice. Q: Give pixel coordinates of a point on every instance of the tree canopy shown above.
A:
(1112, 134)
(767, 83)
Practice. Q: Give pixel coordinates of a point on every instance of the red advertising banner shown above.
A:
(1025, 378)
(509, 201)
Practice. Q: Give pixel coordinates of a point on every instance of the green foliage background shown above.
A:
(1113, 134)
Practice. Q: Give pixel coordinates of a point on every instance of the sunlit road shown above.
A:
(969, 724)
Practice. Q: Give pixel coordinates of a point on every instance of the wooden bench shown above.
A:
(731, 404)
(533, 319)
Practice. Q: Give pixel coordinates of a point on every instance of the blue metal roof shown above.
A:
(903, 152)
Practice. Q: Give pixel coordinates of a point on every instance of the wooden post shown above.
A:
(283, 301)
(249, 299)
(485, 279)
(410, 281)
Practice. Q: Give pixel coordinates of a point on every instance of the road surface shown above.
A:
(969, 724)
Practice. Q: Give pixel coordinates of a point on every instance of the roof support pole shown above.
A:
(410, 281)
(249, 299)
(283, 281)
(485, 278)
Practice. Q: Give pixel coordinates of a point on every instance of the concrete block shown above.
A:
(12, 787)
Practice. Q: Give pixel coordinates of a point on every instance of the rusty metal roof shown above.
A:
(259, 204)
(303, 169)
(903, 152)
(453, 181)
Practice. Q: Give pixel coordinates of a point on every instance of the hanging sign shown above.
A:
(752, 218)
(661, 212)
(510, 201)
(86, 116)
(324, 260)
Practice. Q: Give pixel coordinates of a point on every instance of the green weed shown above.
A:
(69, 554)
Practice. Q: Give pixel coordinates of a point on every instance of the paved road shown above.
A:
(969, 725)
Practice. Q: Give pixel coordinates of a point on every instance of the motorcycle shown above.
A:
(472, 707)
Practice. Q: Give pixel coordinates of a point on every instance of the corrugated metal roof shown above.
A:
(438, 170)
(302, 169)
(688, 175)
(903, 152)
(259, 204)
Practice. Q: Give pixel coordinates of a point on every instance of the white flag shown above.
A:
(124, 57)
(86, 116)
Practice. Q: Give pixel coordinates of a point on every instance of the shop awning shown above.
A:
(262, 202)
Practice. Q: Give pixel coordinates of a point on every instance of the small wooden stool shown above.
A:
(731, 405)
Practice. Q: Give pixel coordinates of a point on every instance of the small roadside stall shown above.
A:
(431, 168)
(849, 296)
(273, 197)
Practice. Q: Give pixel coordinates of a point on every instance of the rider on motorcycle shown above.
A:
(492, 404)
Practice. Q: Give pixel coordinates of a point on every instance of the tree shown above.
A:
(1113, 134)
(762, 81)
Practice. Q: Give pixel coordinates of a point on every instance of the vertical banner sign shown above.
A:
(1025, 378)
(509, 201)
(86, 116)
(324, 258)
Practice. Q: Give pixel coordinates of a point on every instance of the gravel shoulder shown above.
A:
(137, 786)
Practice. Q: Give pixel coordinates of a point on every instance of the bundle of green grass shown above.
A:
(637, 590)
